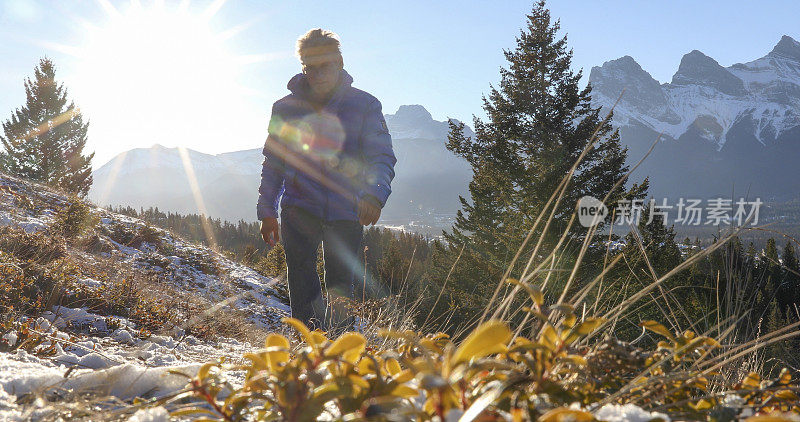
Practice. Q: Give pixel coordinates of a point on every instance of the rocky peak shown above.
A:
(698, 69)
(415, 122)
(641, 91)
(414, 112)
(786, 48)
(607, 78)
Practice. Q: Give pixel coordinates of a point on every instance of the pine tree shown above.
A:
(769, 269)
(539, 122)
(44, 139)
(790, 283)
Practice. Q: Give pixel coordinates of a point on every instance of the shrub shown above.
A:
(203, 262)
(491, 375)
(74, 218)
(132, 236)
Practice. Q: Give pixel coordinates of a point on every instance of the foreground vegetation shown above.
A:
(520, 314)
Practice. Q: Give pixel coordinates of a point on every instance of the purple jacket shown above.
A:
(324, 158)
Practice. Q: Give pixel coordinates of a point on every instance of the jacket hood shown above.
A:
(298, 85)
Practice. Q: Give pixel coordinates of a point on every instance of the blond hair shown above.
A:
(318, 42)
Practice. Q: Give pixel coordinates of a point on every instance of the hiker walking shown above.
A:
(329, 154)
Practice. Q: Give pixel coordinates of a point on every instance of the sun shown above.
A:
(157, 73)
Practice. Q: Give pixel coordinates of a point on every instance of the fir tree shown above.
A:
(539, 122)
(769, 268)
(44, 139)
(790, 284)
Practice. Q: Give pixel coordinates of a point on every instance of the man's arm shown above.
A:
(379, 156)
(272, 173)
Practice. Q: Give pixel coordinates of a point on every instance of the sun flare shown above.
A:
(159, 74)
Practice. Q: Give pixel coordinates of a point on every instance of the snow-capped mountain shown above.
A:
(429, 178)
(724, 128)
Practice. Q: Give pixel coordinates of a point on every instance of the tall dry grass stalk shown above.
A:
(735, 358)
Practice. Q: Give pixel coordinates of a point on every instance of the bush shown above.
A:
(74, 218)
(132, 236)
(491, 375)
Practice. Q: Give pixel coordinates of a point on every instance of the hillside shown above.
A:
(128, 303)
(106, 318)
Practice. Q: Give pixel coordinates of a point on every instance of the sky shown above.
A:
(203, 74)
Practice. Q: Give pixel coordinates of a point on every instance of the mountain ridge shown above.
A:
(721, 127)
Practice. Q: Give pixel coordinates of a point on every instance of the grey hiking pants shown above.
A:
(301, 234)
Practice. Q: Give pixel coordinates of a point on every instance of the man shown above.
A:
(329, 154)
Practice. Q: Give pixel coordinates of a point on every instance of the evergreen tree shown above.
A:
(44, 139)
(769, 266)
(539, 123)
(790, 283)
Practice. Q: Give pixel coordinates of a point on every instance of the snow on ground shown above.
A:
(627, 413)
(116, 364)
(188, 265)
(84, 352)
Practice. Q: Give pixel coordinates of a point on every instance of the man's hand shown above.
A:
(369, 211)
(270, 230)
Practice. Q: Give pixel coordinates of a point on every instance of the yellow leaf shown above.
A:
(563, 414)
(202, 373)
(276, 340)
(325, 389)
(301, 328)
(366, 366)
(574, 359)
(489, 338)
(588, 326)
(352, 355)
(349, 346)
(786, 395)
(657, 328)
(535, 293)
(277, 357)
(752, 381)
(700, 382)
(404, 376)
(404, 391)
(318, 338)
(548, 337)
(430, 345)
(361, 382)
(570, 320)
(703, 404)
(393, 366)
(439, 336)
(259, 361)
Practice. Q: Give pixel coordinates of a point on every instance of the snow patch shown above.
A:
(153, 414)
(627, 413)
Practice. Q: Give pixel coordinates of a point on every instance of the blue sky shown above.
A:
(441, 54)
